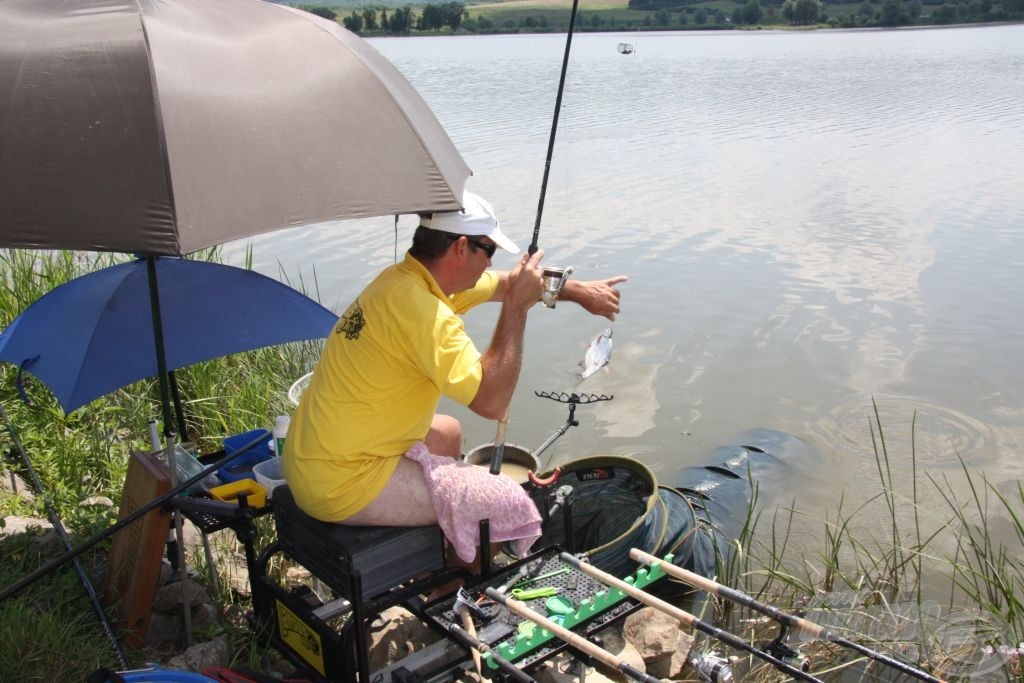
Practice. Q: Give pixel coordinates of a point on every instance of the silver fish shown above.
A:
(598, 354)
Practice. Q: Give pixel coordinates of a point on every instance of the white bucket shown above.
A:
(516, 461)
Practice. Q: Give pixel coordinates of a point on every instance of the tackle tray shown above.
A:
(596, 606)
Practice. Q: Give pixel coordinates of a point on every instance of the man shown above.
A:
(398, 348)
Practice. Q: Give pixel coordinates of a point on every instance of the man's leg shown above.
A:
(405, 500)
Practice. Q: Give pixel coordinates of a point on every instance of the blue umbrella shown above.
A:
(95, 334)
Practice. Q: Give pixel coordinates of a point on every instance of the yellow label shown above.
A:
(300, 637)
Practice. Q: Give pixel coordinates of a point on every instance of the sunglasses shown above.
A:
(487, 248)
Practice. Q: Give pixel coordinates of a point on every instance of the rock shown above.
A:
(14, 484)
(204, 617)
(19, 525)
(396, 634)
(233, 572)
(652, 632)
(45, 540)
(215, 653)
(169, 597)
(564, 668)
(163, 629)
(612, 641)
(674, 666)
(97, 501)
(665, 648)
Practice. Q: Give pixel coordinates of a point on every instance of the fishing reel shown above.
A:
(781, 650)
(711, 667)
(552, 281)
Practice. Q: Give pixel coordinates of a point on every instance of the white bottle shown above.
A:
(280, 432)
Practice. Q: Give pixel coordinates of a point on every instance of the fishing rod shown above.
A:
(554, 127)
(686, 618)
(807, 628)
(575, 640)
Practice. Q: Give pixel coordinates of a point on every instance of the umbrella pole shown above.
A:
(171, 442)
(158, 339)
(179, 536)
(108, 629)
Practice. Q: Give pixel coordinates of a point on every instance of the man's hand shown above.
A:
(599, 297)
(524, 283)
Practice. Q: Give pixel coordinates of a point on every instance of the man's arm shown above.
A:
(599, 297)
(503, 359)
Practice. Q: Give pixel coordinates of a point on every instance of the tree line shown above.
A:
(446, 16)
(667, 14)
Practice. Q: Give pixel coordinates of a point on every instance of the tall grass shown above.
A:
(867, 582)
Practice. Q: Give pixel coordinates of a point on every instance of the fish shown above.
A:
(599, 352)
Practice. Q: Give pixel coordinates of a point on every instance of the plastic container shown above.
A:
(269, 474)
(187, 466)
(241, 467)
(256, 495)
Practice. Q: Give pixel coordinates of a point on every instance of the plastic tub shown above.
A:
(241, 467)
(269, 474)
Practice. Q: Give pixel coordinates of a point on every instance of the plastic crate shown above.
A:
(241, 467)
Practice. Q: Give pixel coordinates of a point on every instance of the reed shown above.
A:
(873, 583)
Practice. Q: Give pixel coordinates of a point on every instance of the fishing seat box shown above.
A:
(379, 557)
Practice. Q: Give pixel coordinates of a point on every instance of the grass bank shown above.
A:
(943, 591)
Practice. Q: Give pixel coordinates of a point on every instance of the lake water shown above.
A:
(810, 221)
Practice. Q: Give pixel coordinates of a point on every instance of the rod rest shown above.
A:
(377, 558)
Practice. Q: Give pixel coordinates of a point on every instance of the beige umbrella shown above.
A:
(168, 126)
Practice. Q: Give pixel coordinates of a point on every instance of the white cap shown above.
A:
(476, 218)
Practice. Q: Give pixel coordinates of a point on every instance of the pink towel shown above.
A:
(463, 494)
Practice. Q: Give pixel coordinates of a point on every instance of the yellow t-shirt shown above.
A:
(398, 348)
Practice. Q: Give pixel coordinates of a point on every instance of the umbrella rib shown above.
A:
(161, 134)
